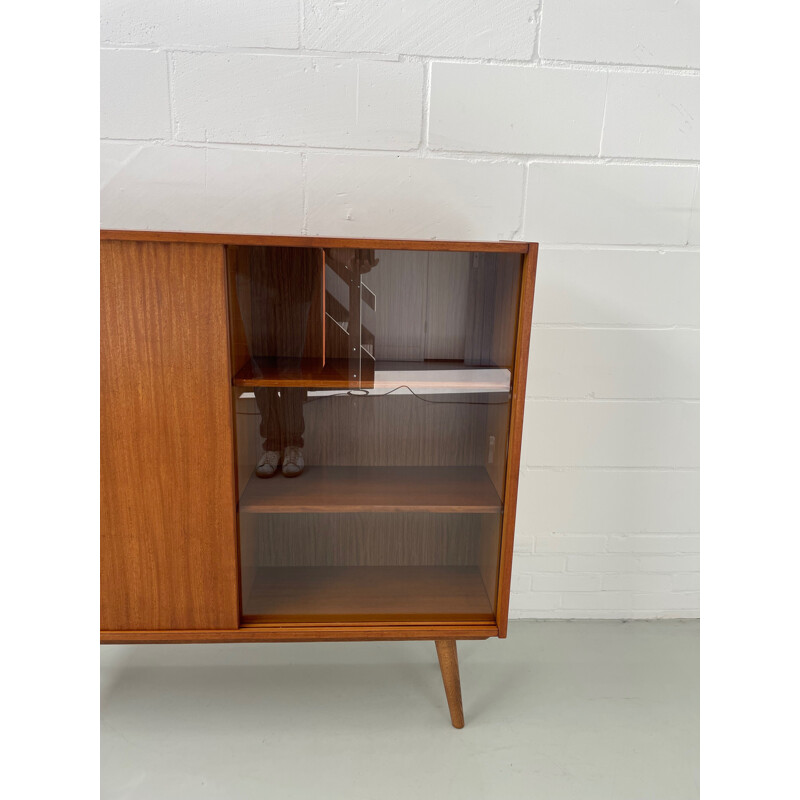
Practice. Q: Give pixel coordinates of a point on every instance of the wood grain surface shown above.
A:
(342, 489)
(169, 543)
(371, 539)
(311, 632)
(515, 435)
(306, 372)
(348, 594)
(394, 431)
(168, 523)
(448, 664)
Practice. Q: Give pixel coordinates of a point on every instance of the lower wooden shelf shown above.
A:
(350, 489)
(368, 594)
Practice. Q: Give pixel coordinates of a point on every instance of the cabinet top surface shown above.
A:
(314, 241)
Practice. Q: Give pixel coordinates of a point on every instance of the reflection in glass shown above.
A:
(388, 373)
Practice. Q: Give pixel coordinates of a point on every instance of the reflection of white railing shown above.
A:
(434, 381)
(429, 381)
(349, 319)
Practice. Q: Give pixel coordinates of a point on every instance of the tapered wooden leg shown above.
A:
(448, 663)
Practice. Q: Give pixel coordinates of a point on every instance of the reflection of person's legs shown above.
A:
(282, 428)
(268, 404)
(286, 304)
(291, 416)
(293, 426)
(294, 321)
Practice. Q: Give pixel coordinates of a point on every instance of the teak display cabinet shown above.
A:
(399, 367)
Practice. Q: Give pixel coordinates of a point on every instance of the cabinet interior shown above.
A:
(402, 363)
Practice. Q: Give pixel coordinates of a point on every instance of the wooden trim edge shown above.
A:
(322, 633)
(313, 241)
(515, 439)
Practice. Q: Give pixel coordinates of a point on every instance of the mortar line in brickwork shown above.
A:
(592, 615)
(561, 468)
(304, 170)
(464, 156)
(600, 400)
(641, 69)
(171, 95)
(603, 122)
(426, 108)
(368, 55)
(254, 51)
(693, 205)
(301, 22)
(603, 326)
(578, 66)
(598, 535)
(639, 248)
(606, 160)
(590, 398)
(537, 40)
(524, 205)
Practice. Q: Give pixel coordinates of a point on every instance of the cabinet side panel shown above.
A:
(168, 526)
(524, 320)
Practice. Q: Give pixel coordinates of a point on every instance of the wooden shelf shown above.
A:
(368, 594)
(443, 490)
(306, 372)
(423, 377)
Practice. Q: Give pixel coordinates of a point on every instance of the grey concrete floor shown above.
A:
(578, 710)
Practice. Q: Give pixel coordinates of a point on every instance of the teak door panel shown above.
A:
(168, 516)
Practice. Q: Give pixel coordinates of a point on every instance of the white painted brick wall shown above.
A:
(270, 99)
(641, 288)
(458, 28)
(599, 433)
(134, 97)
(511, 116)
(654, 32)
(561, 504)
(409, 197)
(615, 363)
(652, 116)
(570, 122)
(199, 189)
(609, 203)
(201, 23)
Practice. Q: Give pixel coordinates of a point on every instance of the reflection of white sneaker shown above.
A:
(268, 464)
(293, 463)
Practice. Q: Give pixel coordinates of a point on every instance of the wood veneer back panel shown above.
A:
(398, 430)
(369, 539)
(168, 525)
(287, 293)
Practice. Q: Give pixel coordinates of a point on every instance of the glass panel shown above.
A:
(381, 382)
(368, 566)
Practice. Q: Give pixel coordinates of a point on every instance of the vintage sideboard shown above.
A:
(404, 363)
